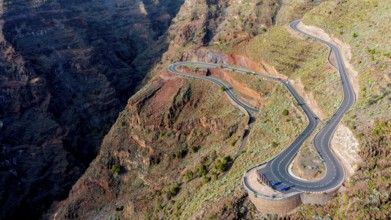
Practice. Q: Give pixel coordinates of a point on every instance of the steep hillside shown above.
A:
(364, 27)
(67, 69)
(172, 151)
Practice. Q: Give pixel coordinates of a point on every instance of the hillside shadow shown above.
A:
(85, 53)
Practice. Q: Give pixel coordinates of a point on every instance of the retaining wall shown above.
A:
(317, 198)
(281, 206)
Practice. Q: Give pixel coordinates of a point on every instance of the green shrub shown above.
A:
(285, 112)
(189, 176)
(181, 153)
(206, 179)
(202, 170)
(213, 155)
(193, 149)
(221, 165)
(175, 190)
(116, 169)
(229, 134)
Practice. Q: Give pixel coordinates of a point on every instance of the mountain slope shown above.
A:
(169, 152)
(363, 26)
(67, 68)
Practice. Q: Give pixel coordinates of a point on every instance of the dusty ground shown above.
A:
(307, 164)
(346, 147)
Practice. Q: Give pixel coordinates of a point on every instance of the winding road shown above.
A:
(277, 169)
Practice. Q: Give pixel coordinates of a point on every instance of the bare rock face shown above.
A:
(66, 70)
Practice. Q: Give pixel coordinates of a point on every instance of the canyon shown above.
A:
(67, 70)
(94, 126)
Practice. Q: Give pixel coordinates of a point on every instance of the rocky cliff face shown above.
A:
(66, 70)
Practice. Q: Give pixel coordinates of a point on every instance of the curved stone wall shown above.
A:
(280, 206)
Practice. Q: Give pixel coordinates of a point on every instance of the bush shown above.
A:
(227, 159)
(222, 165)
(116, 169)
(222, 89)
(181, 153)
(189, 176)
(229, 134)
(202, 170)
(206, 179)
(175, 190)
(285, 112)
(213, 155)
(234, 142)
(274, 144)
(354, 35)
(194, 149)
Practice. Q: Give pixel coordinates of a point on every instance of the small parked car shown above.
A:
(284, 188)
(276, 183)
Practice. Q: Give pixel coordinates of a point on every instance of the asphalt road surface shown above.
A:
(277, 168)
